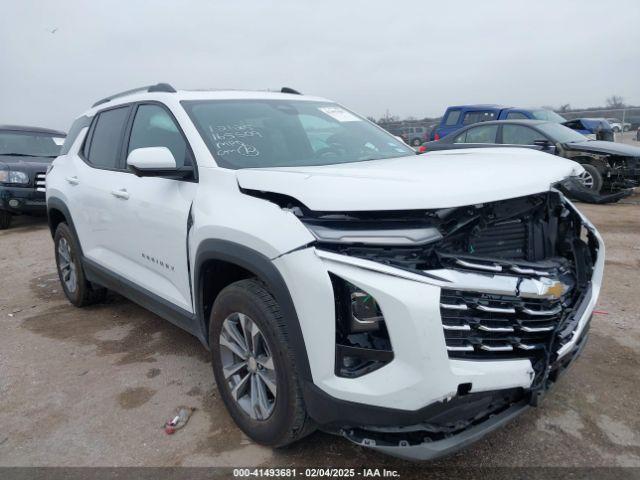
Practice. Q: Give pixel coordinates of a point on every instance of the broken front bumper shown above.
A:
(425, 388)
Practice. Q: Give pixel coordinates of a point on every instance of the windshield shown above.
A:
(288, 133)
(548, 115)
(30, 144)
(560, 133)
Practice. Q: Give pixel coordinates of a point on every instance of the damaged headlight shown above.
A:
(362, 339)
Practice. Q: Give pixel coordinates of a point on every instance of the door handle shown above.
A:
(72, 180)
(122, 193)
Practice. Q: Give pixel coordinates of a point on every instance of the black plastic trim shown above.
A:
(263, 268)
(96, 273)
(333, 413)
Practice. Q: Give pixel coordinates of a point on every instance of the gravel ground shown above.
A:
(93, 387)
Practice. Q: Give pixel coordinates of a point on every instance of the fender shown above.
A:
(57, 204)
(262, 267)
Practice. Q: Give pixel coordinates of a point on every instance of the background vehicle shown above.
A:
(413, 136)
(369, 313)
(25, 154)
(459, 116)
(593, 128)
(609, 166)
(618, 125)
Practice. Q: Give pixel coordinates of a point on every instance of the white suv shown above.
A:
(409, 303)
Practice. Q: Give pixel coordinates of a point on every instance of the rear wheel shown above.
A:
(5, 219)
(254, 365)
(591, 178)
(416, 142)
(76, 287)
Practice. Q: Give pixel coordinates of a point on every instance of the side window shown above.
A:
(452, 118)
(516, 116)
(476, 117)
(483, 134)
(103, 151)
(153, 126)
(519, 135)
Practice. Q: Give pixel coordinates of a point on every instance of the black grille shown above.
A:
(482, 326)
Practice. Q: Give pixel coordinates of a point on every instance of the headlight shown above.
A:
(9, 176)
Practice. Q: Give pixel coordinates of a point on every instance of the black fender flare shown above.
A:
(263, 268)
(57, 204)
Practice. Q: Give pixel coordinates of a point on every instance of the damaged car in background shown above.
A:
(410, 305)
(611, 170)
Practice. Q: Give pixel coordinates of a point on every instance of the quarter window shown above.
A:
(104, 148)
(519, 135)
(153, 126)
(452, 118)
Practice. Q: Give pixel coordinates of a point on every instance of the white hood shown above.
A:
(441, 179)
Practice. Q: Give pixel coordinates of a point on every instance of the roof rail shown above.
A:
(158, 87)
(290, 90)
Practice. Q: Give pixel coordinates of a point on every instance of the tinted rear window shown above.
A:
(104, 149)
(475, 117)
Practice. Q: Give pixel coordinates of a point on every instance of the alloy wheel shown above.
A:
(587, 179)
(67, 266)
(247, 365)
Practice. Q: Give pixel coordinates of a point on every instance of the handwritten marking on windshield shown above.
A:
(229, 139)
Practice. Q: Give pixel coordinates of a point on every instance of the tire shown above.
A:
(416, 142)
(5, 219)
(284, 418)
(592, 178)
(616, 129)
(69, 265)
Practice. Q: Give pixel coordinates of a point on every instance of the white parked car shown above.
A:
(618, 125)
(410, 304)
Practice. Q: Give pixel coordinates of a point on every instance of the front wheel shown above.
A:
(76, 287)
(591, 178)
(416, 142)
(254, 365)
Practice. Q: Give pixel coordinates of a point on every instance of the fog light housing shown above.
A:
(362, 340)
(13, 203)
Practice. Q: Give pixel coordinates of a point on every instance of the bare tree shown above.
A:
(564, 107)
(615, 101)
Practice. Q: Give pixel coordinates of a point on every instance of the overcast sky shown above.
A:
(411, 57)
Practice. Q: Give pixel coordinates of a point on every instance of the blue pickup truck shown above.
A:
(462, 115)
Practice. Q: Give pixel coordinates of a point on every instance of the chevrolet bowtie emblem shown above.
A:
(556, 289)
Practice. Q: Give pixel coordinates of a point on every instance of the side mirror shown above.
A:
(545, 146)
(156, 162)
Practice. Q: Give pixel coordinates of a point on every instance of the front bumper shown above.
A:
(19, 200)
(422, 382)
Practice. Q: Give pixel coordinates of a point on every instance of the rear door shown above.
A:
(482, 135)
(98, 172)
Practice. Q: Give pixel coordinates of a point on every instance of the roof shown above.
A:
(518, 122)
(482, 105)
(22, 128)
(165, 91)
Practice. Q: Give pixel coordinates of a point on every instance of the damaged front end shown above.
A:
(519, 279)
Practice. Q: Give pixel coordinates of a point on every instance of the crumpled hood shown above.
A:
(610, 148)
(433, 180)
